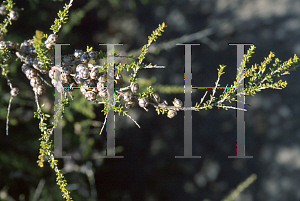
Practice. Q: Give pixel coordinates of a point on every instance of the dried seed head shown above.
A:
(129, 104)
(143, 102)
(14, 15)
(90, 95)
(127, 96)
(84, 58)
(14, 91)
(119, 78)
(78, 53)
(35, 81)
(92, 55)
(134, 88)
(156, 97)
(177, 103)
(102, 77)
(39, 90)
(172, 113)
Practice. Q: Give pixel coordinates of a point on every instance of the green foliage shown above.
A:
(9, 7)
(41, 50)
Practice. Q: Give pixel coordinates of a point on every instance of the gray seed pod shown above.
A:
(30, 73)
(94, 74)
(39, 90)
(78, 79)
(90, 96)
(3, 10)
(156, 97)
(35, 81)
(67, 59)
(51, 73)
(100, 86)
(84, 58)
(52, 38)
(102, 77)
(88, 83)
(14, 15)
(172, 113)
(129, 104)
(65, 78)
(119, 78)
(78, 53)
(25, 67)
(29, 60)
(135, 88)
(11, 45)
(143, 102)
(14, 91)
(67, 70)
(177, 103)
(165, 102)
(127, 96)
(92, 55)
(103, 94)
(79, 67)
(84, 73)
(24, 46)
(49, 46)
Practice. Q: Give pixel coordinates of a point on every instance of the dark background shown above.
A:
(149, 170)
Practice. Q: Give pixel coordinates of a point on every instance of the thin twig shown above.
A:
(8, 111)
(103, 124)
(133, 120)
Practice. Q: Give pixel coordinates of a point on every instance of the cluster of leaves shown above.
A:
(40, 49)
(9, 4)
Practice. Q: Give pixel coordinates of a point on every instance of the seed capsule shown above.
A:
(11, 45)
(14, 91)
(94, 74)
(39, 90)
(177, 103)
(127, 96)
(67, 70)
(156, 97)
(88, 83)
(100, 86)
(129, 104)
(52, 38)
(84, 73)
(79, 67)
(78, 79)
(28, 60)
(172, 113)
(67, 59)
(30, 73)
(103, 93)
(102, 77)
(84, 58)
(134, 88)
(14, 15)
(92, 55)
(119, 78)
(90, 96)
(78, 53)
(3, 10)
(143, 102)
(35, 81)
(25, 67)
